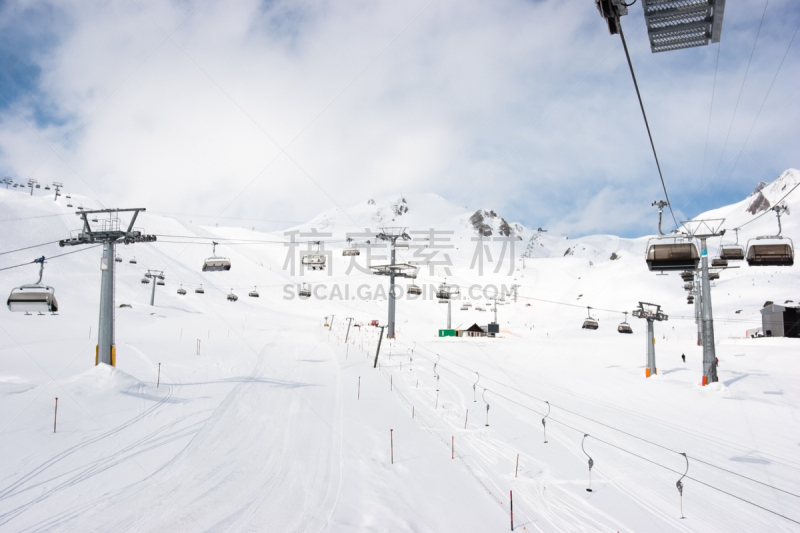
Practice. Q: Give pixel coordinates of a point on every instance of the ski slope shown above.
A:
(264, 419)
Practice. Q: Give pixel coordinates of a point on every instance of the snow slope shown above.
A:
(275, 424)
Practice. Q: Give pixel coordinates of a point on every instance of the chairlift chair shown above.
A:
(182, 291)
(464, 308)
(47, 187)
(68, 197)
(69, 204)
(145, 281)
(590, 322)
(314, 261)
(688, 286)
(160, 282)
(214, 263)
(713, 275)
(33, 297)
(467, 304)
(118, 259)
(671, 256)
(414, 289)
(719, 262)
(305, 291)
(132, 261)
(200, 290)
(732, 252)
(687, 275)
(776, 251)
(442, 294)
(232, 297)
(771, 253)
(253, 293)
(625, 327)
(351, 251)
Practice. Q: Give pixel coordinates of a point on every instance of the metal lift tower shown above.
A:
(393, 270)
(702, 230)
(109, 234)
(651, 313)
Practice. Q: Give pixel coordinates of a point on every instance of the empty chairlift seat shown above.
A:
(731, 252)
(771, 254)
(672, 256)
(304, 292)
(232, 297)
(32, 299)
(200, 290)
(182, 291)
(214, 263)
(718, 262)
(253, 293)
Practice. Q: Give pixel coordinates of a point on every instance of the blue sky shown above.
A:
(279, 110)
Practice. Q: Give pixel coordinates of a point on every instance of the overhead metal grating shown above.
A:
(676, 24)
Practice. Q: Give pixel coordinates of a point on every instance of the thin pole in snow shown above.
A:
(511, 504)
(412, 411)
(516, 470)
(90, 332)
(359, 387)
(347, 352)
(391, 441)
(391, 385)
(55, 416)
(452, 447)
(159, 375)
(437, 401)
(466, 417)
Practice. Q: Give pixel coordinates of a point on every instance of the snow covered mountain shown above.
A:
(256, 416)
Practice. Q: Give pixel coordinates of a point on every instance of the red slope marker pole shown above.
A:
(55, 416)
(511, 503)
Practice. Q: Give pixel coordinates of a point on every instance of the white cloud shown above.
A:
(371, 98)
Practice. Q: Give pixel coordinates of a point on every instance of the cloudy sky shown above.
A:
(278, 110)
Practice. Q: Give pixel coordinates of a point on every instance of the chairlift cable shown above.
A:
(28, 247)
(647, 125)
(768, 210)
(710, 113)
(764, 101)
(52, 257)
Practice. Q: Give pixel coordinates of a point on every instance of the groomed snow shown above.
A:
(264, 428)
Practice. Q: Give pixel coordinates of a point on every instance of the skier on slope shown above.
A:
(683, 356)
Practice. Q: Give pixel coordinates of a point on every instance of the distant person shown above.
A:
(716, 361)
(683, 356)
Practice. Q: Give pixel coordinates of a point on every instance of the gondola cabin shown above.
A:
(232, 297)
(672, 256)
(624, 328)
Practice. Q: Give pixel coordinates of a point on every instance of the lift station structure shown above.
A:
(109, 233)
